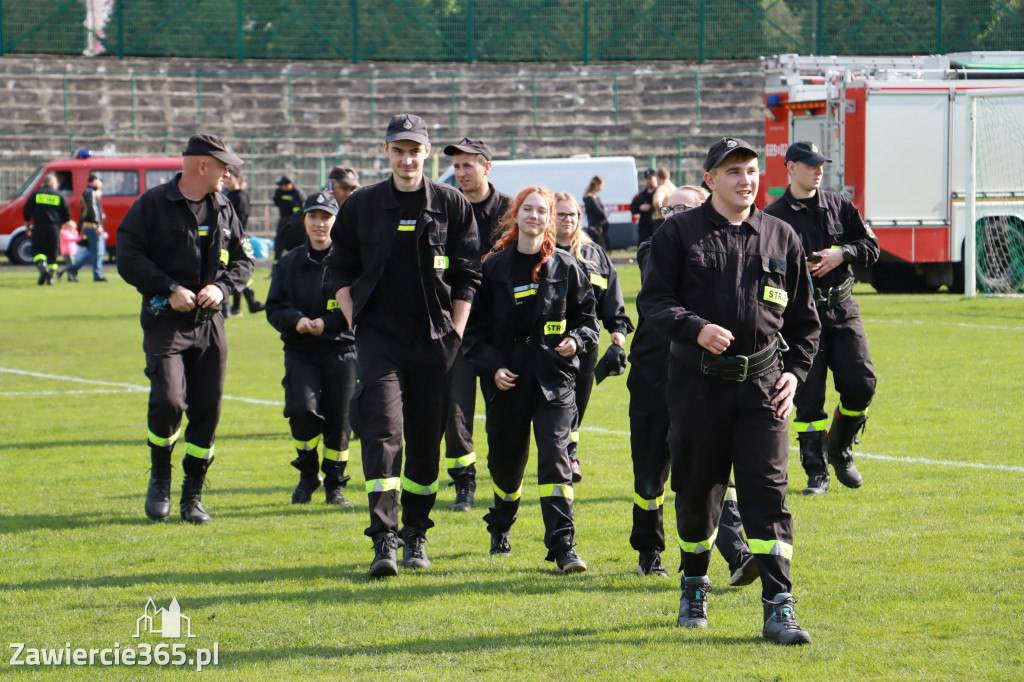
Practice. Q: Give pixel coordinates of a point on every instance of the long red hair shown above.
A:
(509, 227)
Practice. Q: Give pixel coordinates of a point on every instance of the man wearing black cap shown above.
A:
(289, 200)
(643, 206)
(405, 266)
(344, 180)
(834, 237)
(319, 356)
(91, 219)
(471, 160)
(182, 246)
(723, 282)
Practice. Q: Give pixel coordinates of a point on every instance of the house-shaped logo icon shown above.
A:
(164, 622)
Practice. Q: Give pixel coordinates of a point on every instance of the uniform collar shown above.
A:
(489, 206)
(433, 201)
(717, 220)
(174, 193)
(795, 203)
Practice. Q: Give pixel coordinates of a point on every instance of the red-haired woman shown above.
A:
(532, 317)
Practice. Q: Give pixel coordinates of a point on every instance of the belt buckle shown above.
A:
(745, 361)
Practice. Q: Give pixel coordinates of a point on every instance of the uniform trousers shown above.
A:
(718, 425)
(509, 415)
(584, 387)
(843, 348)
(404, 384)
(186, 365)
(648, 436)
(318, 387)
(459, 455)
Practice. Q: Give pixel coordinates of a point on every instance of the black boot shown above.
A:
(309, 477)
(840, 447)
(250, 298)
(780, 621)
(565, 557)
(158, 496)
(192, 489)
(465, 487)
(334, 481)
(44, 273)
(812, 456)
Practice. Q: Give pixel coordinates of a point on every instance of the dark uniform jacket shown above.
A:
(611, 309)
(300, 289)
(750, 279)
(90, 212)
(446, 244)
(158, 245)
(46, 209)
(488, 213)
(648, 351)
(289, 202)
(565, 307)
(836, 222)
(645, 227)
(239, 198)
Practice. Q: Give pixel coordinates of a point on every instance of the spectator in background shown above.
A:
(661, 195)
(239, 197)
(343, 181)
(643, 206)
(290, 233)
(597, 216)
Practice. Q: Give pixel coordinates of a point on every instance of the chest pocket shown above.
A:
(773, 282)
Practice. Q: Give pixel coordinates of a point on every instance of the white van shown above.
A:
(572, 176)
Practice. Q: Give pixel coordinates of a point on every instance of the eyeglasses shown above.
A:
(565, 216)
(666, 211)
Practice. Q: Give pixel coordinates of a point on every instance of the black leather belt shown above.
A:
(733, 367)
(833, 296)
(196, 316)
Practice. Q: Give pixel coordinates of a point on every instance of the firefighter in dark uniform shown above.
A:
(49, 212)
(834, 237)
(611, 309)
(648, 435)
(642, 206)
(723, 282)
(182, 246)
(471, 160)
(289, 200)
(405, 266)
(239, 198)
(343, 180)
(533, 318)
(319, 356)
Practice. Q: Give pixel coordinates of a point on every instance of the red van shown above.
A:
(124, 179)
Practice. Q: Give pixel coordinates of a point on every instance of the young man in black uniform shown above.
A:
(834, 237)
(49, 213)
(343, 180)
(405, 266)
(648, 436)
(289, 200)
(472, 162)
(643, 206)
(182, 246)
(722, 283)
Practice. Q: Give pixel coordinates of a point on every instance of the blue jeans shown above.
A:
(96, 250)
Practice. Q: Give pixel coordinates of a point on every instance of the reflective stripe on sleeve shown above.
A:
(698, 547)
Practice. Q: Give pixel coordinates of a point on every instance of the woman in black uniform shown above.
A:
(319, 356)
(532, 317)
(611, 310)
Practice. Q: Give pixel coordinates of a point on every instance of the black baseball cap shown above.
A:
(806, 152)
(346, 176)
(469, 146)
(321, 201)
(211, 145)
(407, 127)
(723, 148)
(650, 173)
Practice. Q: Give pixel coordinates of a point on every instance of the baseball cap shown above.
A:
(321, 201)
(650, 173)
(346, 176)
(469, 146)
(407, 127)
(211, 145)
(723, 148)
(284, 180)
(806, 152)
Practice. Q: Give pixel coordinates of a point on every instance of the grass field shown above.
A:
(917, 575)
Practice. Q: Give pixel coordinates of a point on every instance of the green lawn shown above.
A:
(917, 575)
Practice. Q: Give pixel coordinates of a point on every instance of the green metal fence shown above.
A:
(506, 30)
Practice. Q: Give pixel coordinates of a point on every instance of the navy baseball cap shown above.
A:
(469, 146)
(211, 145)
(723, 148)
(321, 201)
(407, 127)
(806, 152)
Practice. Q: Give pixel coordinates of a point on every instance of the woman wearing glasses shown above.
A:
(532, 317)
(611, 310)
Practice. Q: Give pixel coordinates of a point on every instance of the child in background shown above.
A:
(69, 237)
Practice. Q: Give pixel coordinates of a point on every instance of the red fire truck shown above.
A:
(898, 132)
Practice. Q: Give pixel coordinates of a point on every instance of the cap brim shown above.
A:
(413, 137)
(319, 207)
(814, 159)
(453, 149)
(228, 158)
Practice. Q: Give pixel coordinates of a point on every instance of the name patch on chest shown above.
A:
(777, 296)
(554, 327)
(598, 281)
(440, 262)
(406, 225)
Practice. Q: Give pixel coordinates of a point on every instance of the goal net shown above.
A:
(998, 191)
